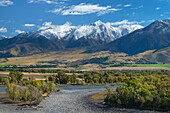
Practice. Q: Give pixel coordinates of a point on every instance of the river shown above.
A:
(73, 99)
(75, 87)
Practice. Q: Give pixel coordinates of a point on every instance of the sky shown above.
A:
(18, 16)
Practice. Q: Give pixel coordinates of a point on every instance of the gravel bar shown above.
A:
(72, 101)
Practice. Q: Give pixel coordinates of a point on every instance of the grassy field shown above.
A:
(36, 75)
(141, 65)
(99, 96)
(152, 65)
(102, 95)
(5, 64)
(65, 58)
(78, 60)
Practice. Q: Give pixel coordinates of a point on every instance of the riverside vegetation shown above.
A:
(141, 89)
(19, 89)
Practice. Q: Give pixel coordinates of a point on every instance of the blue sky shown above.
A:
(17, 16)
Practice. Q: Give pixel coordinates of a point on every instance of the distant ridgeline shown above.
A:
(95, 37)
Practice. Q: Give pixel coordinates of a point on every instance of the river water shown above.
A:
(83, 87)
(2, 88)
(73, 99)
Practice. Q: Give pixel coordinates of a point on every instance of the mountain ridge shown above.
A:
(98, 29)
(154, 36)
(59, 37)
(98, 38)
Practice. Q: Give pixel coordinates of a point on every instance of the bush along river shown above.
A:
(72, 99)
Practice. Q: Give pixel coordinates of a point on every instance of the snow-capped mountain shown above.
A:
(3, 37)
(58, 37)
(97, 31)
(57, 31)
(126, 29)
(154, 36)
(163, 26)
(102, 31)
(50, 32)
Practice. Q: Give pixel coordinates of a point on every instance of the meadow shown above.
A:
(80, 60)
(152, 65)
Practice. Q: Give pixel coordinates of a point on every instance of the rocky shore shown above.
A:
(71, 101)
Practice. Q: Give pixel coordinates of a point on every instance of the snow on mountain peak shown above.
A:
(57, 31)
(3, 37)
(126, 29)
(83, 31)
(162, 26)
(98, 23)
(97, 30)
(102, 31)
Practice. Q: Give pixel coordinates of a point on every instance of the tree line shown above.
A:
(146, 92)
(144, 89)
(19, 89)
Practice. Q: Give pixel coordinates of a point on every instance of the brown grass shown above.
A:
(99, 96)
(92, 67)
(37, 76)
(66, 57)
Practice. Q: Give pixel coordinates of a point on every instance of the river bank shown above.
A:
(71, 101)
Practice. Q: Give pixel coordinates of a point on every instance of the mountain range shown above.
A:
(154, 36)
(99, 31)
(2, 37)
(59, 37)
(98, 36)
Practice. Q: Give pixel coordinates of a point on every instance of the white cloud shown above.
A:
(158, 8)
(107, 11)
(125, 22)
(118, 5)
(151, 20)
(45, 1)
(45, 25)
(113, 9)
(6, 3)
(161, 15)
(83, 9)
(3, 29)
(48, 1)
(141, 6)
(56, 10)
(19, 31)
(29, 25)
(127, 5)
